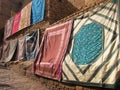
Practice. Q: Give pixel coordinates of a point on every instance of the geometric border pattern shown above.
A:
(103, 72)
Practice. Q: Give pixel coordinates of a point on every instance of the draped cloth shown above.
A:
(8, 27)
(16, 23)
(5, 50)
(32, 45)
(1, 52)
(38, 7)
(93, 57)
(21, 48)
(52, 50)
(25, 16)
(9, 48)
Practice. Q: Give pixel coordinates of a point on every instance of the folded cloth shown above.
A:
(52, 50)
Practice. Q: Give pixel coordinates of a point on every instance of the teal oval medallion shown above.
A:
(88, 44)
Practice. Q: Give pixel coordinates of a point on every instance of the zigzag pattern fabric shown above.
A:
(93, 57)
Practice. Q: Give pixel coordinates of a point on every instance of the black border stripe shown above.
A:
(107, 7)
(82, 71)
(100, 85)
(77, 23)
(109, 29)
(71, 71)
(98, 69)
(65, 75)
(111, 70)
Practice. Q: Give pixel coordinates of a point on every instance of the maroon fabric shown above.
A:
(16, 23)
(8, 27)
(52, 51)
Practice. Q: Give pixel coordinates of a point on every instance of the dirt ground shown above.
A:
(11, 80)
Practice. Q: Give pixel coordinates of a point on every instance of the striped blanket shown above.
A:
(38, 7)
(32, 45)
(52, 51)
(93, 57)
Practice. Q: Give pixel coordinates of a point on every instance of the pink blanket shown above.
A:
(52, 50)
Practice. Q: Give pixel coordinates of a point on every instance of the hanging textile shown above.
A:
(38, 7)
(52, 51)
(1, 52)
(9, 48)
(93, 57)
(16, 23)
(32, 45)
(25, 16)
(5, 50)
(21, 48)
(12, 48)
(8, 27)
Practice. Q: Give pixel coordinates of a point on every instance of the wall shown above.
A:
(8, 8)
(59, 9)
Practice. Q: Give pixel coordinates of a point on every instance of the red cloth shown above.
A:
(16, 23)
(52, 50)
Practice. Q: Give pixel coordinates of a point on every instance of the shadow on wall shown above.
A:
(19, 4)
(58, 9)
(1, 36)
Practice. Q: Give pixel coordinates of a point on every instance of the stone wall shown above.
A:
(58, 9)
(25, 69)
(8, 8)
